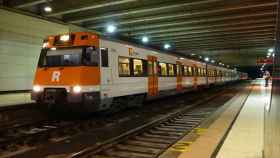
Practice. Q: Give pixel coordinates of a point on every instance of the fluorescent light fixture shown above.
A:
(212, 61)
(48, 9)
(166, 46)
(111, 28)
(206, 59)
(145, 39)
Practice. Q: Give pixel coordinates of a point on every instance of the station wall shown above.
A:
(21, 39)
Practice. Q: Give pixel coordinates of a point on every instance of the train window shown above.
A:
(150, 68)
(124, 66)
(194, 71)
(62, 57)
(162, 69)
(199, 71)
(137, 67)
(91, 56)
(185, 71)
(171, 71)
(190, 72)
(178, 70)
(104, 57)
(204, 72)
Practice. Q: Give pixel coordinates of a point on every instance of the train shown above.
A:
(95, 73)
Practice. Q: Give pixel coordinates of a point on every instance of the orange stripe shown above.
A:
(79, 75)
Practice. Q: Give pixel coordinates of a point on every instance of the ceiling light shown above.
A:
(111, 28)
(212, 61)
(145, 39)
(166, 46)
(48, 9)
(270, 50)
(206, 59)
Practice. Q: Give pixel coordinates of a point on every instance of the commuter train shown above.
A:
(99, 74)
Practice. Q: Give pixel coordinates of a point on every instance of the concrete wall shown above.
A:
(21, 40)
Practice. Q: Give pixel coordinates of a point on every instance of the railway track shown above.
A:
(28, 136)
(151, 139)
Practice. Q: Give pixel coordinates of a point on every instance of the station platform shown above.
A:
(234, 131)
(12, 99)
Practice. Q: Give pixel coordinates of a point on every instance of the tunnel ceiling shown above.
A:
(236, 32)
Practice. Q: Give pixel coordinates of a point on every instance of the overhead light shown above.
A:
(166, 46)
(64, 38)
(111, 28)
(270, 50)
(212, 61)
(48, 9)
(200, 57)
(273, 54)
(53, 48)
(192, 54)
(145, 39)
(206, 59)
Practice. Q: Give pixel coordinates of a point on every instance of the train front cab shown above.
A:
(69, 71)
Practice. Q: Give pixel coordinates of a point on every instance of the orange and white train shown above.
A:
(97, 74)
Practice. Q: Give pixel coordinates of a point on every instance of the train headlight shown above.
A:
(45, 45)
(36, 88)
(64, 38)
(77, 89)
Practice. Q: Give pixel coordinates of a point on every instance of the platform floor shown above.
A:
(246, 138)
(236, 132)
(14, 99)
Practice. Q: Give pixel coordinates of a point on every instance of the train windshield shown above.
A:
(69, 57)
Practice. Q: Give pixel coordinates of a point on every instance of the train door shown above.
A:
(106, 70)
(195, 78)
(152, 76)
(179, 78)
